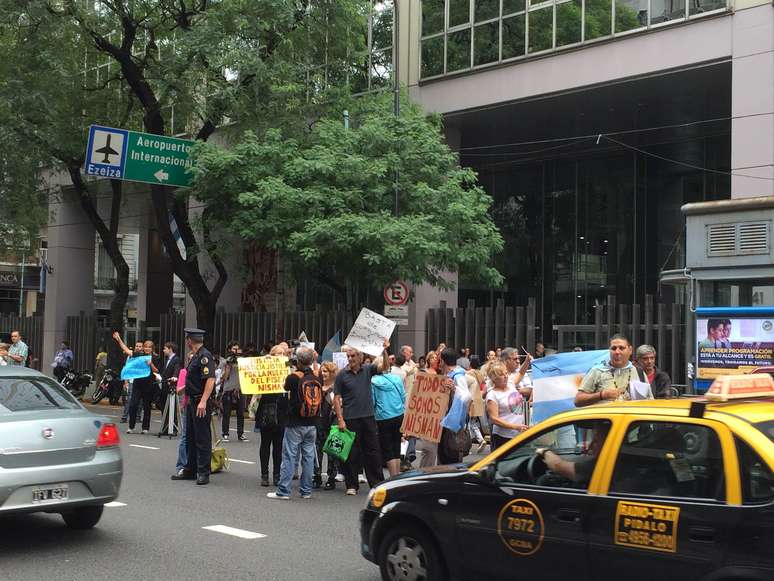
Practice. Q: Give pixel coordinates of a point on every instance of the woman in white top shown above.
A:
(504, 405)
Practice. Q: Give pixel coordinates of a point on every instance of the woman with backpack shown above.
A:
(389, 398)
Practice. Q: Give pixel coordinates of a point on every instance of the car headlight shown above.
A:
(377, 497)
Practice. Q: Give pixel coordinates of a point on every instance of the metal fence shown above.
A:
(258, 328)
(480, 328)
(485, 328)
(31, 329)
(86, 335)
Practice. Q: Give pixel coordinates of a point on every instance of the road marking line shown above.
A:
(242, 534)
(115, 504)
(240, 461)
(144, 447)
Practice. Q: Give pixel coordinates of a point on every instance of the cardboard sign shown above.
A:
(369, 332)
(136, 368)
(260, 375)
(340, 359)
(427, 405)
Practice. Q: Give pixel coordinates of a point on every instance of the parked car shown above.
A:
(55, 455)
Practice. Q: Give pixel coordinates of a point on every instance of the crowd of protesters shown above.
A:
(490, 402)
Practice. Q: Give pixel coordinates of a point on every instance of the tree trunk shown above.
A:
(109, 237)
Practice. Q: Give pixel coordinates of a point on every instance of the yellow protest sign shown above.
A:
(260, 375)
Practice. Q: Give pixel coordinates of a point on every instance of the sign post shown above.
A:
(396, 296)
(138, 157)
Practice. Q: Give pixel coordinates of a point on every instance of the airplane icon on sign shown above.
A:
(107, 150)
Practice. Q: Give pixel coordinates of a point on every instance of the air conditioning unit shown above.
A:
(738, 239)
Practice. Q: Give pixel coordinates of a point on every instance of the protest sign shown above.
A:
(426, 407)
(340, 359)
(369, 332)
(261, 375)
(136, 368)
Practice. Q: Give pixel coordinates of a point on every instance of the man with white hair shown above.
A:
(304, 405)
(354, 408)
(660, 382)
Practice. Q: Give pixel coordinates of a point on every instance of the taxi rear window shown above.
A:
(22, 394)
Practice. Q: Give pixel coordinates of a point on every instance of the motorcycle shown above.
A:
(76, 382)
(110, 386)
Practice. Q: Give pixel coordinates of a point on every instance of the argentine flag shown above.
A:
(556, 379)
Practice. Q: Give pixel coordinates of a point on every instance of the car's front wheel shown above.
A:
(83, 518)
(407, 553)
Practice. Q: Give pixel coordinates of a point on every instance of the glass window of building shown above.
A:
(458, 50)
(568, 22)
(486, 10)
(486, 47)
(630, 15)
(514, 36)
(598, 22)
(458, 34)
(540, 23)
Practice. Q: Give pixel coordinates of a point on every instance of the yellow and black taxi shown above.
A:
(679, 489)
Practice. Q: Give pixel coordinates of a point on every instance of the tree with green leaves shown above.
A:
(167, 67)
(326, 200)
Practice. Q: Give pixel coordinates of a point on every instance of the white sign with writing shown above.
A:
(396, 312)
(340, 359)
(369, 332)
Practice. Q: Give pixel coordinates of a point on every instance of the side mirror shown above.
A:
(487, 473)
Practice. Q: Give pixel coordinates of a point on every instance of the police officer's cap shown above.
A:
(195, 334)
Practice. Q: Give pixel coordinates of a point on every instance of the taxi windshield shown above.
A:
(767, 428)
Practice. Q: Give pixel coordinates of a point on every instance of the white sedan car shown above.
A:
(55, 456)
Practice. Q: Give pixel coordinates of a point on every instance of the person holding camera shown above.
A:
(232, 397)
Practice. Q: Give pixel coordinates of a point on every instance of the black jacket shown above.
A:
(172, 369)
(661, 384)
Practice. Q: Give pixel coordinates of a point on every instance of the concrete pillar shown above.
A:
(70, 285)
(154, 277)
(424, 297)
(752, 127)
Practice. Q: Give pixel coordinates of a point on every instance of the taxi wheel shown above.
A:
(409, 554)
(83, 518)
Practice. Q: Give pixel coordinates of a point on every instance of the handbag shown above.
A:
(339, 443)
(219, 456)
(456, 444)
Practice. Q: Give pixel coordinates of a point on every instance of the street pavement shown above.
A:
(157, 533)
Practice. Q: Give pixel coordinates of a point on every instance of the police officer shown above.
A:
(199, 384)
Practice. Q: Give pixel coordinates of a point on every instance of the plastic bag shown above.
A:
(339, 443)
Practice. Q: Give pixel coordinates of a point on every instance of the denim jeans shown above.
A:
(182, 449)
(296, 437)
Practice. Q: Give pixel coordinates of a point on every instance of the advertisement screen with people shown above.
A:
(733, 344)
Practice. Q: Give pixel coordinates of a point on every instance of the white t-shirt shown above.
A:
(509, 409)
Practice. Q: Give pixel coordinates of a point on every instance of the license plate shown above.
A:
(46, 494)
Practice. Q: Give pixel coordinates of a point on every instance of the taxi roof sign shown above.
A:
(745, 386)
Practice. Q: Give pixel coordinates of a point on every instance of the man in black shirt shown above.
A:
(354, 407)
(305, 390)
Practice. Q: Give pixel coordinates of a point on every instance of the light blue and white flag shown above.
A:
(332, 346)
(176, 235)
(556, 380)
(136, 368)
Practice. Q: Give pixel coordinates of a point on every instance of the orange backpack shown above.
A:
(310, 394)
